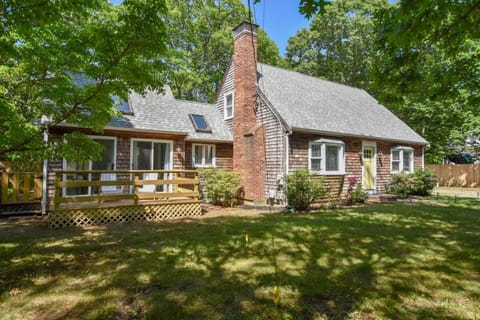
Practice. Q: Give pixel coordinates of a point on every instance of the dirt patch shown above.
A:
(459, 192)
(211, 211)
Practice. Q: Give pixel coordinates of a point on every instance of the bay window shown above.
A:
(327, 156)
(402, 159)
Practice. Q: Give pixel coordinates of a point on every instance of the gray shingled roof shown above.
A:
(163, 113)
(312, 104)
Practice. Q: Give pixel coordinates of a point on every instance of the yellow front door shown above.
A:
(368, 168)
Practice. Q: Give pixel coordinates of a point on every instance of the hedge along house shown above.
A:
(156, 132)
(283, 120)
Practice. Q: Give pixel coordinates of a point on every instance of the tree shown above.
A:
(427, 66)
(45, 45)
(201, 45)
(428, 69)
(339, 44)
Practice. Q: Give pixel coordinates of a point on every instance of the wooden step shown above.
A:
(381, 198)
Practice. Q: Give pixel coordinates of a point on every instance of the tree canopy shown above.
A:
(200, 45)
(66, 59)
(46, 44)
(421, 60)
(339, 44)
(428, 69)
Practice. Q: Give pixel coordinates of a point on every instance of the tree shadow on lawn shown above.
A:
(383, 261)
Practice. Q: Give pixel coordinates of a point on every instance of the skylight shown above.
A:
(199, 123)
(121, 105)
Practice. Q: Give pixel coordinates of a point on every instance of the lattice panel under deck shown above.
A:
(97, 216)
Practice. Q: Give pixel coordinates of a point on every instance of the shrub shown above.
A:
(355, 192)
(420, 183)
(358, 194)
(302, 189)
(221, 186)
(401, 185)
(423, 182)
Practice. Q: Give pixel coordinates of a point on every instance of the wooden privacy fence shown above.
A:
(104, 196)
(457, 175)
(21, 187)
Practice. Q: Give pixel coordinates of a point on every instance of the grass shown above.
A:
(402, 261)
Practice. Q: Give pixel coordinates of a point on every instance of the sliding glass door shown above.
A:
(152, 155)
(106, 162)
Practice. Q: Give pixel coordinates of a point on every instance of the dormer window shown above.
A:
(228, 106)
(199, 123)
(121, 105)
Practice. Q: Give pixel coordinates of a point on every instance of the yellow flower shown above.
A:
(246, 238)
(276, 295)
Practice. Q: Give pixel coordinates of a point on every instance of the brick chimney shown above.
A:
(249, 143)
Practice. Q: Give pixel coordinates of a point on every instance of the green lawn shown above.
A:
(402, 261)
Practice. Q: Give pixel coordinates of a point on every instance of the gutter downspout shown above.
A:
(287, 149)
(423, 157)
(288, 133)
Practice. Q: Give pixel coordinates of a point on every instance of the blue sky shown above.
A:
(280, 19)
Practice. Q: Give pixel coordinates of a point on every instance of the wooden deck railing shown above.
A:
(21, 187)
(101, 186)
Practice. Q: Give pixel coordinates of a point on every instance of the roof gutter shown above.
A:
(208, 140)
(338, 134)
(67, 125)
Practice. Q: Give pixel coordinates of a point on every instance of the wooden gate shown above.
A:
(21, 187)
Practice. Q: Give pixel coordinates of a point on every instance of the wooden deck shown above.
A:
(98, 197)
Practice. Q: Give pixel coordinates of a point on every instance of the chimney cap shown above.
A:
(245, 26)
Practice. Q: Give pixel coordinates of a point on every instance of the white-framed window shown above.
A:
(327, 156)
(228, 106)
(203, 155)
(401, 159)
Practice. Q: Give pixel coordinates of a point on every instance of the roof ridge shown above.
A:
(310, 76)
(196, 102)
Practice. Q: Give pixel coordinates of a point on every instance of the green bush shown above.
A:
(355, 192)
(423, 182)
(302, 189)
(401, 185)
(419, 183)
(220, 186)
(359, 195)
